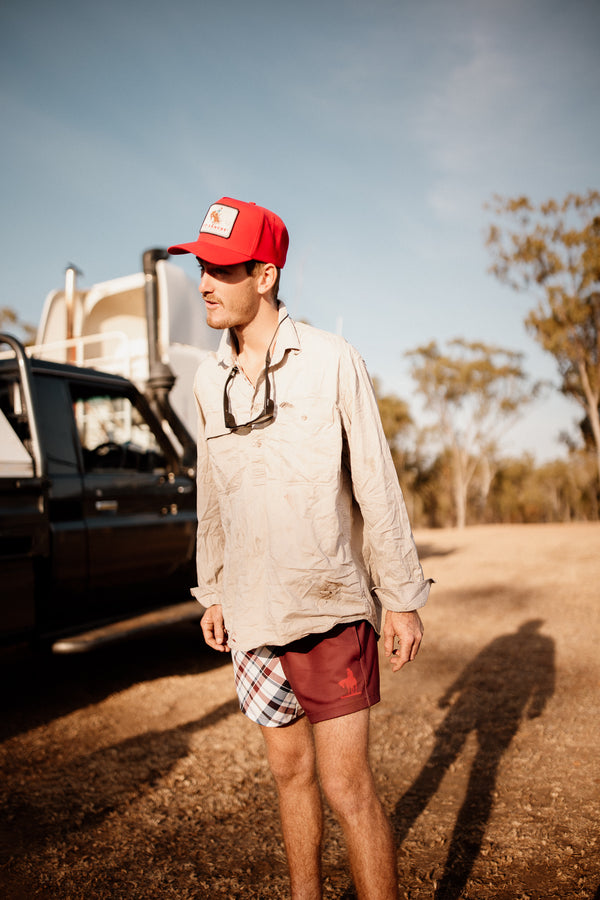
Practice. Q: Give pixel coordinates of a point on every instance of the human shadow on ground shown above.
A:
(512, 678)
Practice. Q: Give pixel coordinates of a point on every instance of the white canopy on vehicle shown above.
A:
(105, 327)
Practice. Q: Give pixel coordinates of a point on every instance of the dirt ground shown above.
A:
(128, 773)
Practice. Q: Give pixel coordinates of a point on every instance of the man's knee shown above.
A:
(348, 793)
(291, 754)
(288, 767)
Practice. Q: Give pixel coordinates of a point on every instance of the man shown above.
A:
(303, 542)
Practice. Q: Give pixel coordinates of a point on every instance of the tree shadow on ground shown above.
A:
(36, 688)
(428, 551)
(513, 677)
(77, 796)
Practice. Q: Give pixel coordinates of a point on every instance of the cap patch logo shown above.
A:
(219, 220)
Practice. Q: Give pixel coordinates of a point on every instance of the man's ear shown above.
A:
(267, 278)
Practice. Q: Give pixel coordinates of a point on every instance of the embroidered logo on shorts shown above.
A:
(219, 220)
(349, 685)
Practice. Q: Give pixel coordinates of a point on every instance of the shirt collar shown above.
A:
(287, 339)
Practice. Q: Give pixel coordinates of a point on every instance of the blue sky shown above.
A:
(377, 131)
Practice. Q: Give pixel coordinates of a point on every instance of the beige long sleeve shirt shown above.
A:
(301, 523)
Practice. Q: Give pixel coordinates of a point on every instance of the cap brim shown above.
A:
(211, 253)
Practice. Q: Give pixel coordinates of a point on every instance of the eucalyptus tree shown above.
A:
(474, 391)
(552, 250)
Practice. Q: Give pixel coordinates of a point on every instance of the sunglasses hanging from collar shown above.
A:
(268, 411)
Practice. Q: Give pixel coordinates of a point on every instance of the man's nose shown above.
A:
(205, 284)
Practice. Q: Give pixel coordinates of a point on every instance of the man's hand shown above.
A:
(407, 628)
(213, 628)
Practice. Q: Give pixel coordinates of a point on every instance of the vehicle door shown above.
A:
(139, 511)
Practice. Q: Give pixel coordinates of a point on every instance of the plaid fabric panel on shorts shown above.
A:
(264, 693)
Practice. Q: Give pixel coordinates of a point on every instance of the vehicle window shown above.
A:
(12, 407)
(15, 443)
(56, 425)
(113, 434)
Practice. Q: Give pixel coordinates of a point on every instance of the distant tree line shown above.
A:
(481, 486)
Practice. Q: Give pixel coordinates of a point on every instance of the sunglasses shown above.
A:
(268, 410)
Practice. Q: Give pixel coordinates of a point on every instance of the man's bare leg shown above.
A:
(291, 755)
(347, 781)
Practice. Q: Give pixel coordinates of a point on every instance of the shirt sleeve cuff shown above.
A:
(204, 598)
(412, 596)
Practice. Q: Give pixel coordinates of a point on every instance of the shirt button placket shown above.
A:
(257, 459)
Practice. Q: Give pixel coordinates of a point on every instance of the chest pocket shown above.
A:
(306, 442)
(301, 446)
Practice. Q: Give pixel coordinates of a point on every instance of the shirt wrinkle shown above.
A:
(301, 522)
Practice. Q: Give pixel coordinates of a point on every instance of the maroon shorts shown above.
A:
(335, 673)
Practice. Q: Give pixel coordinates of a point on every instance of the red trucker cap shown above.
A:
(234, 232)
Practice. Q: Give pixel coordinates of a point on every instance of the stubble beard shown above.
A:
(221, 318)
(215, 316)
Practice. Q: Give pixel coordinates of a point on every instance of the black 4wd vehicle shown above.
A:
(97, 509)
